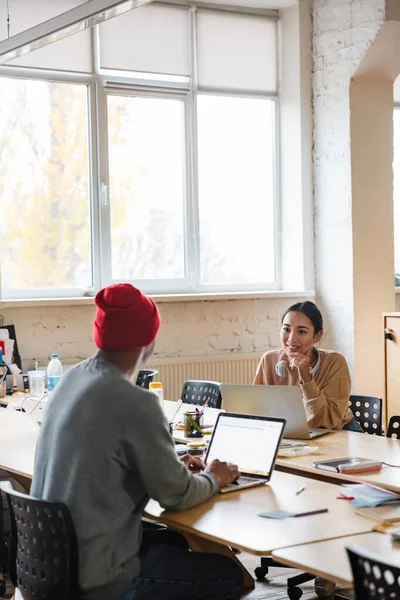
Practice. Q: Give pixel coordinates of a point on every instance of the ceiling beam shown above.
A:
(68, 23)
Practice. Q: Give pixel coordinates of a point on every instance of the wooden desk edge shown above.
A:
(319, 573)
(189, 530)
(205, 543)
(316, 572)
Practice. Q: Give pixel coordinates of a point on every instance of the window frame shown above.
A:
(396, 108)
(171, 286)
(101, 83)
(26, 73)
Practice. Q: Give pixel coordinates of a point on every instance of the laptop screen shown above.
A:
(248, 441)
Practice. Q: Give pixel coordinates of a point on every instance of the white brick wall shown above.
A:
(342, 31)
(188, 328)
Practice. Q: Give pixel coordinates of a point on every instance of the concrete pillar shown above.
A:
(371, 117)
(353, 178)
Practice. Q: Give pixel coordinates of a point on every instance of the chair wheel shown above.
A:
(294, 593)
(260, 573)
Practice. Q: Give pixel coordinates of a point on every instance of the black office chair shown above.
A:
(373, 579)
(394, 427)
(43, 548)
(368, 412)
(3, 551)
(202, 393)
(145, 377)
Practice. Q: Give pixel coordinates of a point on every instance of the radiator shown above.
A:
(225, 368)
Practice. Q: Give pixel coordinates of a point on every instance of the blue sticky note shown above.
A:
(276, 514)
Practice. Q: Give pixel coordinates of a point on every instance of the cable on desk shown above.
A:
(38, 401)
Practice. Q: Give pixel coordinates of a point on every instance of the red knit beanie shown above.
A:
(125, 320)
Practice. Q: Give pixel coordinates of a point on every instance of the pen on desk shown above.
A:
(301, 489)
(311, 512)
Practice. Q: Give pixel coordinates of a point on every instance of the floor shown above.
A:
(273, 588)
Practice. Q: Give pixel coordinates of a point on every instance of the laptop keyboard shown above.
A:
(241, 481)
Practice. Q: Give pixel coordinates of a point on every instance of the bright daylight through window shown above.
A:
(44, 186)
(146, 149)
(158, 169)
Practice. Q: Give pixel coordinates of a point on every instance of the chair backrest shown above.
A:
(202, 393)
(394, 427)
(43, 549)
(3, 547)
(373, 579)
(368, 411)
(145, 376)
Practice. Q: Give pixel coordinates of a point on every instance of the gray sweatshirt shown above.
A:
(104, 449)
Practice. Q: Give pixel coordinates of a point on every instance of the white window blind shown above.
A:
(72, 54)
(153, 39)
(236, 51)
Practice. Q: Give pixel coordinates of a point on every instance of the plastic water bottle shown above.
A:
(54, 372)
(157, 389)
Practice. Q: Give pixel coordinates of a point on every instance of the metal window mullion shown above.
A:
(278, 222)
(277, 216)
(192, 206)
(48, 75)
(94, 190)
(96, 50)
(96, 224)
(138, 91)
(103, 181)
(129, 83)
(236, 93)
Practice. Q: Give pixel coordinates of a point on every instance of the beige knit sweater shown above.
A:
(326, 396)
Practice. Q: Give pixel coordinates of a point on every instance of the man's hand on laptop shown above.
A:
(223, 471)
(193, 463)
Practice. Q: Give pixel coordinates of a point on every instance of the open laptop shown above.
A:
(283, 401)
(171, 409)
(249, 441)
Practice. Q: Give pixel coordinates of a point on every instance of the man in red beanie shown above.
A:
(104, 449)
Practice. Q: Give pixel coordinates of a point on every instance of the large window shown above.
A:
(159, 168)
(44, 188)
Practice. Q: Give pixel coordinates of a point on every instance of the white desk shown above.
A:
(18, 438)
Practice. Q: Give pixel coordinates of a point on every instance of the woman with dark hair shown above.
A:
(323, 375)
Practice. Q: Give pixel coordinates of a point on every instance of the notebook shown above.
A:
(351, 464)
(382, 514)
(249, 441)
(283, 401)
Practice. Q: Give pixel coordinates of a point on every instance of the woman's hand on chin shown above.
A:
(300, 362)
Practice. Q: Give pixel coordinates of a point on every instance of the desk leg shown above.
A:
(19, 482)
(24, 482)
(199, 544)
